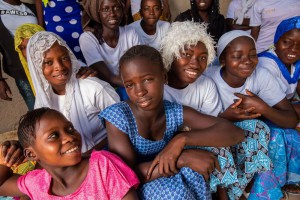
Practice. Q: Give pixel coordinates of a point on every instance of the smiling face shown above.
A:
(144, 82)
(57, 143)
(189, 67)
(288, 47)
(151, 11)
(57, 67)
(239, 59)
(203, 5)
(111, 14)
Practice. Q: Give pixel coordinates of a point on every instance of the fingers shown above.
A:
(236, 104)
(152, 166)
(85, 72)
(250, 93)
(217, 165)
(16, 158)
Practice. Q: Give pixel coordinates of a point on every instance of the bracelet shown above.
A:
(3, 79)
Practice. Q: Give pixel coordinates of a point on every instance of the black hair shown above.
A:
(142, 51)
(142, 1)
(27, 125)
(214, 10)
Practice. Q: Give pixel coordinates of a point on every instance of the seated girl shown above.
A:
(150, 28)
(185, 62)
(48, 138)
(104, 41)
(53, 69)
(144, 132)
(248, 92)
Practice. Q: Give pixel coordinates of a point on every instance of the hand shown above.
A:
(236, 112)
(11, 153)
(5, 92)
(201, 161)
(252, 100)
(166, 12)
(167, 158)
(85, 72)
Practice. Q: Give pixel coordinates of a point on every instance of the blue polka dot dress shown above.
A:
(187, 184)
(63, 17)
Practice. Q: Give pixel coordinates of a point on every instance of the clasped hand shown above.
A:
(11, 153)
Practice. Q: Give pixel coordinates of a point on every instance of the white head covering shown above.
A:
(228, 37)
(73, 108)
(246, 5)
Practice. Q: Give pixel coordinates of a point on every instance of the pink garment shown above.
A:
(108, 178)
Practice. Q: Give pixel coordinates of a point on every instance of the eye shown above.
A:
(185, 54)
(157, 8)
(253, 56)
(202, 58)
(66, 58)
(117, 8)
(129, 85)
(70, 129)
(148, 80)
(54, 135)
(47, 63)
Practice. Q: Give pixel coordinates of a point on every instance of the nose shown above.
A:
(140, 90)
(151, 12)
(58, 65)
(112, 12)
(194, 62)
(66, 138)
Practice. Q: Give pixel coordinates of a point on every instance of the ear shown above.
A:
(30, 154)
(222, 60)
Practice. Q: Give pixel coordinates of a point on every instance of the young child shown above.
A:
(143, 131)
(150, 29)
(53, 68)
(104, 41)
(248, 92)
(283, 61)
(48, 138)
(205, 11)
(185, 62)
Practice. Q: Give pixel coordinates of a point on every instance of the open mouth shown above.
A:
(192, 73)
(72, 150)
(62, 76)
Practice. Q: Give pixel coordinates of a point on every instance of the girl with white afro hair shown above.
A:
(183, 35)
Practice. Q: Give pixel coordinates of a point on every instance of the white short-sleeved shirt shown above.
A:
(273, 68)
(135, 6)
(96, 96)
(94, 52)
(268, 14)
(202, 95)
(261, 82)
(151, 40)
(14, 16)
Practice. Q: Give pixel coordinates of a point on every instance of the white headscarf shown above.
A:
(246, 5)
(228, 37)
(73, 108)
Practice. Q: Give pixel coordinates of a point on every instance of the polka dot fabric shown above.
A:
(63, 17)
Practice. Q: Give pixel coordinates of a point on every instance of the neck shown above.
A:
(204, 15)
(232, 81)
(13, 2)
(111, 36)
(149, 29)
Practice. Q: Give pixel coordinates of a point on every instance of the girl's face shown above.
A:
(288, 47)
(111, 14)
(23, 47)
(190, 66)
(144, 82)
(203, 5)
(57, 143)
(239, 58)
(151, 11)
(57, 67)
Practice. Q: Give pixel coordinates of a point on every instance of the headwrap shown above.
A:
(73, 108)
(285, 26)
(91, 10)
(25, 31)
(228, 37)
(185, 34)
(246, 5)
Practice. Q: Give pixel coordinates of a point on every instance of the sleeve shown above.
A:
(89, 46)
(256, 14)
(116, 115)
(135, 38)
(231, 9)
(117, 177)
(211, 102)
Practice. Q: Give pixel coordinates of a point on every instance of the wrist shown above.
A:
(2, 79)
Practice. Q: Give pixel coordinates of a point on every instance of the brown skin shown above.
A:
(150, 11)
(203, 9)
(39, 12)
(255, 32)
(109, 10)
(239, 60)
(144, 82)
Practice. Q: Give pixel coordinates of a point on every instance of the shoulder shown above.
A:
(93, 83)
(186, 15)
(87, 36)
(173, 107)
(116, 114)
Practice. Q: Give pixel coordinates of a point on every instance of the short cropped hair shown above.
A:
(27, 126)
(142, 51)
(183, 35)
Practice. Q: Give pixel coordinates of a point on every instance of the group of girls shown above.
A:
(177, 152)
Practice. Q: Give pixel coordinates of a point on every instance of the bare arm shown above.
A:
(105, 74)
(131, 195)
(231, 25)
(255, 32)
(166, 9)
(39, 12)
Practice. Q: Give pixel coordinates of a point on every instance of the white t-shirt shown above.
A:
(135, 6)
(14, 16)
(261, 83)
(268, 14)
(96, 96)
(151, 40)
(273, 68)
(94, 52)
(202, 95)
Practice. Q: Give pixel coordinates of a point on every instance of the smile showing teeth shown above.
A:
(202, 4)
(191, 73)
(113, 21)
(291, 56)
(71, 150)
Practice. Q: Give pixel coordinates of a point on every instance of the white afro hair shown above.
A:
(183, 35)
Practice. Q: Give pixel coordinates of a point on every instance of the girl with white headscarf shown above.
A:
(80, 100)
